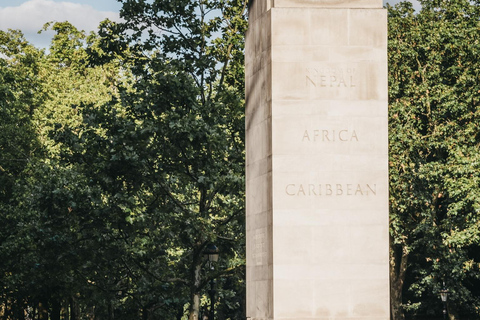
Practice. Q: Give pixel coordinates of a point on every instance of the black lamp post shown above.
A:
(212, 252)
(212, 293)
(444, 297)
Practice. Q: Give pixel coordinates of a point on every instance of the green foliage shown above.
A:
(48, 227)
(19, 82)
(434, 94)
(122, 158)
(172, 144)
(132, 163)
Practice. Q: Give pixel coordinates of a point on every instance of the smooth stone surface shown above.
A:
(317, 160)
(328, 3)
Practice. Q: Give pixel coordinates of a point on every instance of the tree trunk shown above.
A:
(194, 307)
(20, 311)
(180, 313)
(91, 313)
(111, 315)
(195, 295)
(66, 310)
(74, 309)
(398, 270)
(56, 308)
(42, 312)
(452, 312)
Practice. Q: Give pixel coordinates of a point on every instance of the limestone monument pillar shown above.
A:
(317, 160)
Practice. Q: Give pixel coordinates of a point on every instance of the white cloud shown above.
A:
(33, 14)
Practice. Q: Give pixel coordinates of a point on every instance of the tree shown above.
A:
(20, 96)
(52, 225)
(18, 101)
(175, 140)
(139, 167)
(167, 152)
(77, 237)
(434, 94)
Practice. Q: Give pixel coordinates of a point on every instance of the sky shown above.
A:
(30, 15)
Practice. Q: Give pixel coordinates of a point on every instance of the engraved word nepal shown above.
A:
(330, 77)
(330, 189)
(330, 135)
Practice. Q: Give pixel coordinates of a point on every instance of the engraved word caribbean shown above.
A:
(331, 189)
(330, 77)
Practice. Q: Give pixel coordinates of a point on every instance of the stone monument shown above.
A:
(317, 160)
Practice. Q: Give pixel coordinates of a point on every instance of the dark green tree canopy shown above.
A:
(434, 91)
(141, 127)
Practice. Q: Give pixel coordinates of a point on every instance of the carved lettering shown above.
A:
(289, 189)
(341, 136)
(330, 77)
(339, 189)
(330, 135)
(373, 190)
(349, 190)
(354, 136)
(306, 136)
(329, 189)
(311, 82)
(325, 135)
(300, 190)
(323, 80)
(359, 191)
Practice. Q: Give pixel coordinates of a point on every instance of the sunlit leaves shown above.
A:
(435, 184)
